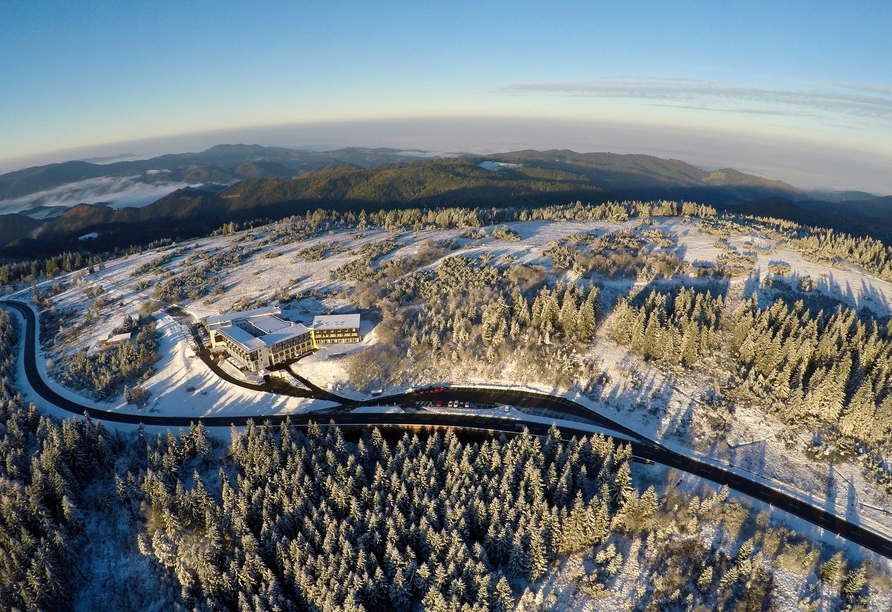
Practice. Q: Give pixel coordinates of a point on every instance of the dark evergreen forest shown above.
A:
(283, 519)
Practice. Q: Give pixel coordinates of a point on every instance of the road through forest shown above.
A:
(344, 415)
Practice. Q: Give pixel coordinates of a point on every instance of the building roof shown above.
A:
(286, 333)
(240, 336)
(267, 324)
(332, 322)
(264, 328)
(245, 314)
(250, 343)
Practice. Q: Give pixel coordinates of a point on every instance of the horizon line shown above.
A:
(805, 164)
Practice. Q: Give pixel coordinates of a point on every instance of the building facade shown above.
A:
(259, 339)
(336, 329)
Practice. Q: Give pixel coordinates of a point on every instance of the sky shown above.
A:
(795, 90)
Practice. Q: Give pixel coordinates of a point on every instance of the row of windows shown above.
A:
(331, 336)
(292, 352)
(304, 338)
(291, 348)
(235, 348)
(245, 362)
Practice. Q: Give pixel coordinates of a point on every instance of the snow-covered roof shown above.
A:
(245, 314)
(249, 342)
(268, 324)
(113, 340)
(242, 337)
(286, 333)
(342, 321)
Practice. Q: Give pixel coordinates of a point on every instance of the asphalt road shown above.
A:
(344, 416)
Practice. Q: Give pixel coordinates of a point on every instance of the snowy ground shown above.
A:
(327, 367)
(660, 405)
(185, 386)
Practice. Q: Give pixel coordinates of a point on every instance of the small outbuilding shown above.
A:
(116, 340)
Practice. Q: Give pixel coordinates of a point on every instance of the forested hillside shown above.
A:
(281, 518)
(275, 183)
(315, 522)
(219, 163)
(47, 465)
(291, 521)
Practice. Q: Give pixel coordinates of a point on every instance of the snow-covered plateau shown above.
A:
(312, 276)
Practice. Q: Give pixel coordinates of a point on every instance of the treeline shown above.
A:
(616, 212)
(868, 253)
(826, 245)
(104, 372)
(386, 218)
(675, 326)
(832, 369)
(44, 467)
(49, 268)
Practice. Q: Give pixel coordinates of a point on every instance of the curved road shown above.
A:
(343, 417)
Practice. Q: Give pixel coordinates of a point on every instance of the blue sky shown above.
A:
(789, 76)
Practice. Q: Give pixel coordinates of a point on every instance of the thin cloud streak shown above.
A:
(743, 111)
(879, 89)
(847, 99)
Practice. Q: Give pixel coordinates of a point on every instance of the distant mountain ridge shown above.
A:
(648, 177)
(376, 181)
(228, 163)
(221, 163)
(873, 208)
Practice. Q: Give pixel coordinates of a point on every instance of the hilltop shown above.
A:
(275, 183)
(757, 344)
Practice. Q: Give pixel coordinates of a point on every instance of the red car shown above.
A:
(426, 390)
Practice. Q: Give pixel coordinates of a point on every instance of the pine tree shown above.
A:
(859, 414)
(537, 561)
(518, 561)
(567, 317)
(833, 570)
(705, 579)
(853, 586)
(503, 599)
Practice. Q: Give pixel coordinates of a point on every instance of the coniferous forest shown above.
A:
(284, 518)
(280, 519)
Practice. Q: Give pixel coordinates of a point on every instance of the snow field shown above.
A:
(663, 406)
